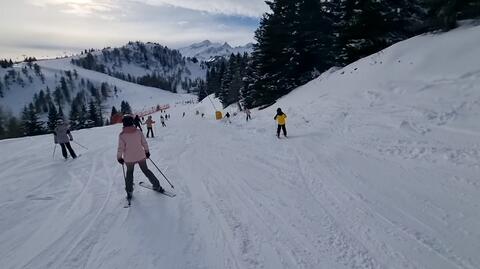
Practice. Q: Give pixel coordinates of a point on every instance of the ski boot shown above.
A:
(159, 189)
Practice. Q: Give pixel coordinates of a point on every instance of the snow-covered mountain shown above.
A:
(207, 50)
(149, 64)
(380, 170)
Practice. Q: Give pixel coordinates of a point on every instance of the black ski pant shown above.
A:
(66, 146)
(143, 166)
(149, 131)
(248, 117)
(281, 127)
(163, 124)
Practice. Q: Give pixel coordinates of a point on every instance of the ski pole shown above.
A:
(54, 149)
(79, 144)
(162, 174)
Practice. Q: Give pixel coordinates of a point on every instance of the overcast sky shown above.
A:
(52, 27)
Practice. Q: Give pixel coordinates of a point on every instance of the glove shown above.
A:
(148, 154)
(121, 161)
(71, 139)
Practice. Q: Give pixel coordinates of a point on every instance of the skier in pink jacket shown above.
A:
(133, 149)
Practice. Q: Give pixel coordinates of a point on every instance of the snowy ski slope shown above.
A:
(381, 170)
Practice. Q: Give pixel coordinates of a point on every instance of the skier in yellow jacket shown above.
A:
(281, 119)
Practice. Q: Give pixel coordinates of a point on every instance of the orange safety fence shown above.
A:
(117, 118)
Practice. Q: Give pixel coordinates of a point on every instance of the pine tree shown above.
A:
(313, 49)
(48, 95)
(83, 117)
(64, 88)
(291, 43)
(52, 117)
(226, 80)
(14, 128)
(92, 114)
(3, 118)
(387, 21)
(58, 96)
(43, 101)
(30, 121)
(202, 91)
(125, 108)
(248, 91)
(95, 117)
(105, 90)
(444, 14)
(61, 115)
(37, 69)
(114, 111)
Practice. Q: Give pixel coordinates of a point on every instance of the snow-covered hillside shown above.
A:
(207, 50)
(23, 86)
(148, 64)
(380, 170)
(138, 96)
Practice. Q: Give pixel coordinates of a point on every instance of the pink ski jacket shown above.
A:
(132, 145)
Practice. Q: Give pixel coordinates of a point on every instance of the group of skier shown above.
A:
(280, 117)
(137, 122)
(133, 147)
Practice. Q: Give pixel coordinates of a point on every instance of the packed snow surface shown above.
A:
(380, 170)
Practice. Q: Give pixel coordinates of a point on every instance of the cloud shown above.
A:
(82, 8)
(249, 8)
(50, 27)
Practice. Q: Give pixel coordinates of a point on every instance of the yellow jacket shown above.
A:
(281, 119)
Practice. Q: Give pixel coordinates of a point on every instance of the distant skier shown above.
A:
(63, 136)
(183, 115)
(281, 120)
(133, 149)
(227, 116)
(138, 122)
(162, 120)
(149, 122)
(247, 112)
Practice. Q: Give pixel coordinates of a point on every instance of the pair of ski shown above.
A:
(148, 186)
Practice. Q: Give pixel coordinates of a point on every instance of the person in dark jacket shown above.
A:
(162, 120)
(150, 122)
(138, 122)
(281, 119)
(248, 113)
(63, 136)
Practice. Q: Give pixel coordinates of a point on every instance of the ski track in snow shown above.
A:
(278, 205)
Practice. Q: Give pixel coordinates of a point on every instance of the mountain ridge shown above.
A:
(206, 50)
